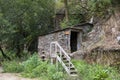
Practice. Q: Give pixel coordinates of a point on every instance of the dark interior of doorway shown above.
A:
(73, 41)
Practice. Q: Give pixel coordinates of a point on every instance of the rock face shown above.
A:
(102, 45)
(105, 34)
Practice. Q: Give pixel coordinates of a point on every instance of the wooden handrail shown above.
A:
(55, 42)
(58, 51)
(59, 58)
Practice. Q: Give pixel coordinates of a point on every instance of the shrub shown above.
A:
(31, 63)
(34, 67)
(26, 55)
(12, 66)
(51, 70)
(1, 58)
(72, 21)
(54, 73)
(12, 55)
(95, 71)
(40, 70)
(57, 76)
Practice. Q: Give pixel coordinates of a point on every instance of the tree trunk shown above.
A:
(66, 10)
(18, 53)
(3, 54)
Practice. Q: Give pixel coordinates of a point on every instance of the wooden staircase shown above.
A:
(58, 53)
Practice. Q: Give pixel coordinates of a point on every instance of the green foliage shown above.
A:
(101, 4)
(72, 21)
(57, 76)
(99, 7)
(95, 72)
(58, 5)
(101, 75)
(1, 58)
(11, 54)
(0, 55)
(82, 11)
(22, 21)
(51, 69)
(12, 66)
(40, 70)
(31, 63)
(26, 55)
(34, 67)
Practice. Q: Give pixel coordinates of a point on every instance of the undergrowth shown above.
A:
(95, 72)
(35, 68)
(12, 66)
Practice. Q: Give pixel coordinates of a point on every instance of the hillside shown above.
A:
(102, 45)
(104, 34)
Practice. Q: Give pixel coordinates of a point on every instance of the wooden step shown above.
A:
(64, 58)
(74, 75)
(73, 72)
(65, 61)
(43, 55)
(43, 58)
(67, 64)
(72, 68)
(61, 55)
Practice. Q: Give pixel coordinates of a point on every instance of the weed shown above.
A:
(12, 66)
(34, 67)
(95, 71)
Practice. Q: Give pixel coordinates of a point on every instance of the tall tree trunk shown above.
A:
(66, 10)
(3, 54)
(18, 53)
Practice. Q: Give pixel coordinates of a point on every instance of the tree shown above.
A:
(23, 21)
(66, 10)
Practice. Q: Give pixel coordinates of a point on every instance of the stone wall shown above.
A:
(62, 38)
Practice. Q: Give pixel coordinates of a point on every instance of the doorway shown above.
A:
(74, 41)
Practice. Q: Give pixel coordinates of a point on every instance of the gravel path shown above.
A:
(11, 76)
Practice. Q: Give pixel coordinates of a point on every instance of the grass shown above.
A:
(12, 66)
(96, 71)
(33, 67)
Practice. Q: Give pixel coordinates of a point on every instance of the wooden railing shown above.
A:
(56, 51)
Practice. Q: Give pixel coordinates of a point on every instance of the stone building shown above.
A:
(70, 39)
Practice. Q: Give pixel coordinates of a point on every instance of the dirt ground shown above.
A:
(11, 76)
